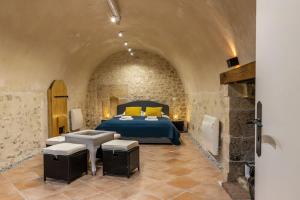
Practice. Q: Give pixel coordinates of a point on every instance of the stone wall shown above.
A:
(242, 135)
(215, 104)
(234, 109)
(144, 76)
(22, 126)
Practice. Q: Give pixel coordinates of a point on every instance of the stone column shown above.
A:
(242, 135)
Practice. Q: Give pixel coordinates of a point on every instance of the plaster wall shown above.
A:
(21, 126)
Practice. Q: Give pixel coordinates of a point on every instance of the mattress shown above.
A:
(141, 128)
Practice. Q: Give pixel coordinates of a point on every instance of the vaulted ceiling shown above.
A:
(42, 40)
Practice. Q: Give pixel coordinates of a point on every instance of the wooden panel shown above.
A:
(57, 108)
(239, 74)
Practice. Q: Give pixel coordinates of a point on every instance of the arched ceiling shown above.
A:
(42, 40)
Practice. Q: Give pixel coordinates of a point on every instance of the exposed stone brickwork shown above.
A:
(21, 126)
(242, 135)
(145, 76)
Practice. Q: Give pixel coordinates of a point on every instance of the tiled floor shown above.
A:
(236, 192)
(167, 172)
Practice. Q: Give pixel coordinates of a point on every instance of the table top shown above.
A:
(93, 137)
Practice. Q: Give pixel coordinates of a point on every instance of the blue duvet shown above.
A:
(140, 128)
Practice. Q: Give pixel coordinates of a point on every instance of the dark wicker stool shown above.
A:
(65, 161)
(120, 157)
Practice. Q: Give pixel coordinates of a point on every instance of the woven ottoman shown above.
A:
(65, 161)
(99, 151)
(120, 157)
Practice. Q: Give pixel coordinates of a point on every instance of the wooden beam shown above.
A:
(239, 74)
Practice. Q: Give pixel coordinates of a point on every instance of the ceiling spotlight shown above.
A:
(114, 19)
(132, 54)
(125, 44)
(129, 49)
(120, 34)
(114, 8)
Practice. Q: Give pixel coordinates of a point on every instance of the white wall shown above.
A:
(278, 86)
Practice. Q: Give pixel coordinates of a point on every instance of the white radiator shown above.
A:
(210, 131)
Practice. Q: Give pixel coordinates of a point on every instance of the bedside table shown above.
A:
(104, 120)
(179, 124)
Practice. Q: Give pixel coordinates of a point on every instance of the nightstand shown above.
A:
(179, 124)
(104, 120)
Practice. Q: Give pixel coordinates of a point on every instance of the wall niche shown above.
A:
(123, 78)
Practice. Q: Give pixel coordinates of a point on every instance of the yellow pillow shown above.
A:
(133, 111)
(153, 111)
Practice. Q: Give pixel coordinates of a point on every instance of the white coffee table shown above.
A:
(93, 140)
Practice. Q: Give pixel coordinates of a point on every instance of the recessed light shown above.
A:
(125, 44)
(129, 49)
(120, 34)
(132, 54)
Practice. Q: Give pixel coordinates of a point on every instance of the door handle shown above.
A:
(259, 125)
(257, 122)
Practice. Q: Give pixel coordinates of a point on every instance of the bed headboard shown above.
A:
(121, 108)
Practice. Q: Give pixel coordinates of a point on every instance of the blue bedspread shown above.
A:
(140, 128)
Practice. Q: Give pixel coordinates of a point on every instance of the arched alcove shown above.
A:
(144, 76)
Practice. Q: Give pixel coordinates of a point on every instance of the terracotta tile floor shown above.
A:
(167, 172)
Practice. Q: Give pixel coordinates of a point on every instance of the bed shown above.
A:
(162, 131)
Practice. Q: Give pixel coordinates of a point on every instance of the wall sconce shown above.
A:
(107, 115)
(175, 116)
(232, 62)
(105, 109)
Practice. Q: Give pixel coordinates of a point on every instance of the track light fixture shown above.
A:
(116, 17)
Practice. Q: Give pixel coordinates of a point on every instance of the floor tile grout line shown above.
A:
(172, 198)
(100, 192)
(16, 189)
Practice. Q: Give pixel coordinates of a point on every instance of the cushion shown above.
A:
(64, 149)
(154, 111)
(117, 136)
(120, 145)
(133, 111)
(55, 140)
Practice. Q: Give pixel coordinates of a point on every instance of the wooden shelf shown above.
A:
(239, 74)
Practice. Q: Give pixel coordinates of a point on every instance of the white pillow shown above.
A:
(166, 116)
(120, 115)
